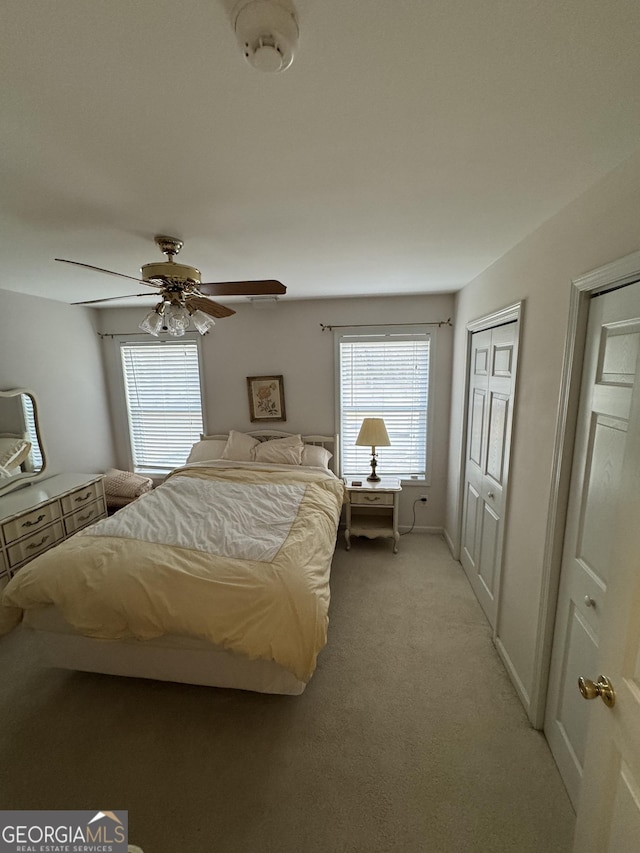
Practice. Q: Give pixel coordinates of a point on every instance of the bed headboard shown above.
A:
(329, 442)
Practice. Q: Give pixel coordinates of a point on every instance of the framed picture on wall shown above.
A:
(266, 398)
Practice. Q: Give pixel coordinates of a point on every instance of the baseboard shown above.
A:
(405, 528)
(515, 678)
(449, 542)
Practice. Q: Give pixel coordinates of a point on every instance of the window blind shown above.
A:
(164, 405)
(385, 376)
(30, 422)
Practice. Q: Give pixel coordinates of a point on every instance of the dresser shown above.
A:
(37, 517)
(372, 510)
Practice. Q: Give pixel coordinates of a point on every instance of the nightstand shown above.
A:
(372, 510)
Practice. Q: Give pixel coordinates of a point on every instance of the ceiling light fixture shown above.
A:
(267, 32)
(175, 318)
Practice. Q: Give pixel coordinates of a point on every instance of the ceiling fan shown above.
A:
(183, 296)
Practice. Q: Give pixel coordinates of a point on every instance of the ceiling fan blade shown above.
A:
(214, 309)
(108, 272)
(110, 298)
(242, 288)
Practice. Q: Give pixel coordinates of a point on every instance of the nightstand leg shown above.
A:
(396, 540)
(347, 537)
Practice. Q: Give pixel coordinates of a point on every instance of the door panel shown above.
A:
(477, 426)
(492, 362)
(497, 437)
(619, 357)
(489, 547)
(589, 570)
(502, 359)
(580, 648)
(598, 511)
(470, 524)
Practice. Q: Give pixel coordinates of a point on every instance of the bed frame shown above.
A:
(329, 442)
(169, 658)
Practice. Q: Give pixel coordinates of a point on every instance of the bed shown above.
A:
(15, 450)
(220, 576)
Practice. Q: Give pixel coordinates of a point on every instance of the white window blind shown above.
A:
(385, 375)
(164, 406)
(30, 422)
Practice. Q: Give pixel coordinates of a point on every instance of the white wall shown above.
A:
(53, 349)
(287, 339)
(599, 227)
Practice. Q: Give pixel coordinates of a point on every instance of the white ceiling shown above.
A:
(410, 144)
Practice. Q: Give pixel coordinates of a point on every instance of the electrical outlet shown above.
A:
(424, 498)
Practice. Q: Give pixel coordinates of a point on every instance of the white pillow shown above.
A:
(239, 447)
(207, 450)
(285, 451)
(13, 451)
(316, 456)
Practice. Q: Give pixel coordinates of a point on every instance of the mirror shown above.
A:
(22, 458)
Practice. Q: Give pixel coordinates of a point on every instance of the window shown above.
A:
(384, 372)
(164, 405)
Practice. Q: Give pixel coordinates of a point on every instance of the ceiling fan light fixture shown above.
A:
(176, 320)
(202, 321)
(152, 323)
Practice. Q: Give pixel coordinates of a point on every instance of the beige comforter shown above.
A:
(238, 555)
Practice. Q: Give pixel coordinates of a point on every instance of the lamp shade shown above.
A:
(373, 433)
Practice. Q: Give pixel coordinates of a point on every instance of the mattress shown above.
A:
(184, 660)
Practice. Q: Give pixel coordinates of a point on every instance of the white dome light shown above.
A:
(267, 33)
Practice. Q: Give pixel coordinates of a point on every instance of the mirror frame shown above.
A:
(25, 477)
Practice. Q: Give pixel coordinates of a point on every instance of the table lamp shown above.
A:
(373, 433)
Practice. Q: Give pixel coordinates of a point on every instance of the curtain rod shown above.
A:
(438, 323)
(123, 334)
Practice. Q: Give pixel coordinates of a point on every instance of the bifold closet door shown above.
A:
(491, 382)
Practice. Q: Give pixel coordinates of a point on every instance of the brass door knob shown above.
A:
(602, 688)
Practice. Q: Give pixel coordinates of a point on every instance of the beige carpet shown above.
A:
(409, 738)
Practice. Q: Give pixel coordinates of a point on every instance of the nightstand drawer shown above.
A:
(31, 522)
(37, 543)
(371, 498)
(81, 497)
(82, 517)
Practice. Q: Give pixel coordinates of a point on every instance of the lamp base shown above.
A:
(373, 477)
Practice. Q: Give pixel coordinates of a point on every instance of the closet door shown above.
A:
(599, 576)
(491, 384)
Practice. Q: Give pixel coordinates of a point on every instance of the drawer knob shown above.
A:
(37, 544)
(35, 521)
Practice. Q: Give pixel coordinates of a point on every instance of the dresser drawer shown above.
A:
(3, 565)
(37, 543)
(82, 517)
(372, 498)
(81, 497)
(31, 522)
